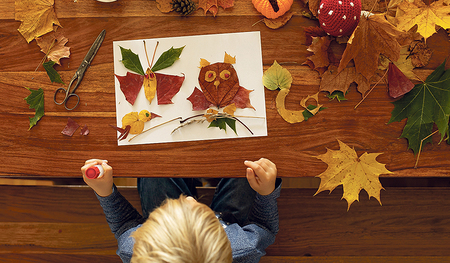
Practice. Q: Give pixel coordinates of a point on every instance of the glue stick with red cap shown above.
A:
(94, 171)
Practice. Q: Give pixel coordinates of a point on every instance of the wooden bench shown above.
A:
(66, 224)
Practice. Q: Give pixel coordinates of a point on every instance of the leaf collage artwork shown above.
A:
(196, 99)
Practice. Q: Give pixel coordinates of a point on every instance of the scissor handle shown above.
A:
(68, 98)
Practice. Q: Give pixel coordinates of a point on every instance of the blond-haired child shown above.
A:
(240, 224)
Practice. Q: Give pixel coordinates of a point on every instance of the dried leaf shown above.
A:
(353, 172)
(219, 90)
(229, 59)
(332, 81)
(420, 54)
(130, 85)
(35, 101)
(53, 45)
(278, 22)
(277, 77)
(85, 130)
(242, 98)
(319, 47)
(373, 36)
(198, 100)
(70, 127)
(213, 5)
(288, 115)
(313, 31)
(399, 84)
(425, 16)
(164, 6)
(150, 84)
(37, 16)
(230, 109)
(168, 87)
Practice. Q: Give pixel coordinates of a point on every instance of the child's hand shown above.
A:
(261, 175)
(103, 184)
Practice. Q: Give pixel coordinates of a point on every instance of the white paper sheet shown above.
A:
(246, 47)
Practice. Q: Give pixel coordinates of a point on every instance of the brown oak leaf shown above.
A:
(420, 53)
(53, 45)
(333, 80)
(373, 36)
(319, 47)
(213, 5)
(37, 16)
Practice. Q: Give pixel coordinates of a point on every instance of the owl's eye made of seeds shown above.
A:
(225, 74)
(210, 76)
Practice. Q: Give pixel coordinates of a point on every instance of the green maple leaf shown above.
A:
(131, 61)
(36, 101)
(52, 73)
(167, 58)
(337, 94)
(424, 105)
(223, 122)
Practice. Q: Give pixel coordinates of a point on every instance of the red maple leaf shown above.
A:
(130, 85)
(167, 87)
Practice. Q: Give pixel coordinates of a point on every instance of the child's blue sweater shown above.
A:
(248, 243)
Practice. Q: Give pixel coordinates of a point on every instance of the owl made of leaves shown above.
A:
(219, 82)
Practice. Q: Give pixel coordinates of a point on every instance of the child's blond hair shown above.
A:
(179, 231)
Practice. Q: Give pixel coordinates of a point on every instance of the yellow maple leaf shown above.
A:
(424, 16)
(37, 16)
(353, 172)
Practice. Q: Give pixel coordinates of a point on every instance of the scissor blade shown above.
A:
(95, 46)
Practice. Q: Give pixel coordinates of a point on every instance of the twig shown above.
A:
(146, 55)
(187, 123)
(367, 94)
(257, 22)
(420, 148)
(177, 118)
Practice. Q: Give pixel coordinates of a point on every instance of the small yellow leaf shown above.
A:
(230, 109)
(211, 115)
(150, 85)
(277, 77)
(353, 172)
(288, 115)
(229, 59)
(204, 63)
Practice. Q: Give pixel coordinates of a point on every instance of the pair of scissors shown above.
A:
(79, 74)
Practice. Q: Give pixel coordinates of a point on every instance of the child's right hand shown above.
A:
(102, 185)
(261, 175)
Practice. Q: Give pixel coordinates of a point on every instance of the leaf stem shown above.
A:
(420, 148)
(365, 96)
(174, 119)
(154, 52)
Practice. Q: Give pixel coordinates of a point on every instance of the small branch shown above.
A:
(257, 22)
(243, 125)
(365, 96)
(177, 118)
(420, 148)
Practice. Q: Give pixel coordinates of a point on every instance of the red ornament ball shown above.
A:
(339, 17)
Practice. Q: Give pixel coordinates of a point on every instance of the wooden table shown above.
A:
(44, 152)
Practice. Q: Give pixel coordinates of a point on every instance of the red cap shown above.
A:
(92, 172)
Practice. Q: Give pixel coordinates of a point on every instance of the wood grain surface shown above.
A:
(44, 152)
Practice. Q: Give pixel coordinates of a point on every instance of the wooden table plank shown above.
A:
(44, 151)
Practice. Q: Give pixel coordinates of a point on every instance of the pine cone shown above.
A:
(184, 7)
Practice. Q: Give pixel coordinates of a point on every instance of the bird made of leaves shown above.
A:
(426, 104)
(352, 172)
